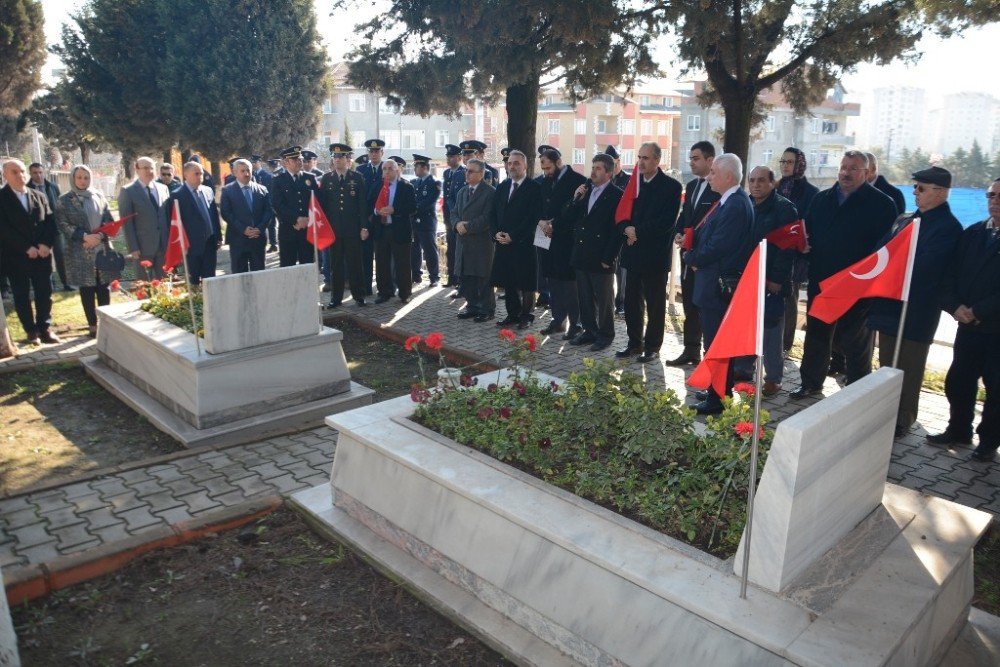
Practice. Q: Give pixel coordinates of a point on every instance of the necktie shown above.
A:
(697, 191)
(152, 196)
(202, 206)
(248, 197)
(513, 189)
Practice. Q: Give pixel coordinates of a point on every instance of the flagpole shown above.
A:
(181, 237)
(906, 290)
(751, 491)
(315, 242)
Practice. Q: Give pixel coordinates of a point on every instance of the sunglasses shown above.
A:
(925, 188)
(992, 195)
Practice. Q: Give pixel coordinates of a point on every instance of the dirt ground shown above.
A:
(58, 422)
(272, 593)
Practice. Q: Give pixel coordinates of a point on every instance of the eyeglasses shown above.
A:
(923, 188)
(992, 195)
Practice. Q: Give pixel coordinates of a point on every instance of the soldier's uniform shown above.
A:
(274, 169)
(345, 202)
(452, 181)
(425, 223)
(315, 171)
(477, 149)
(290, 197)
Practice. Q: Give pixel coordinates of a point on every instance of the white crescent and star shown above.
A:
(881, 261)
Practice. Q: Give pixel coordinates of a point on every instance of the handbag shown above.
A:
(109, 261)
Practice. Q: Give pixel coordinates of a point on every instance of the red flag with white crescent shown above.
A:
(624, 211)
(177, 244)
(885, 273)
(319, 232)
(792, 235)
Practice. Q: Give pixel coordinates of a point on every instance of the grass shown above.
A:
(67, 316)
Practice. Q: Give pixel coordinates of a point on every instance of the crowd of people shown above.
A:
(564, 241)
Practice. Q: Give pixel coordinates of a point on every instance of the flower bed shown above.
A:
(607, 437)
(164, 299)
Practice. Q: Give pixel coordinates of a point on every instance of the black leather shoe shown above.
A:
(629, 351)
(272, 248)
(361, 302)
(583, 339)
(983, 454)
(404, 299)
(551, 329)
(381, 299)
(454, 295)
(701, 395)
(466, 315)
(483, 318)
(572, 333)
(684, 359)
(598, 346)
(804, 392)
(949, 438)
(524, 322)
(332, 305)
(708, 408)
(646, 357)
(508, 321)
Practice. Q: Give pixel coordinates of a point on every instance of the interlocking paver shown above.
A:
(62, 517)
(147, 487)
(79, 490)
(94, 542)
(200, 474)
(40, 553)
(132, 477)
(286, 484)
(114, 533)
(268, 470)
(182, 487)
(253, 486)
(138, 518)
(166, 474)
(50, 503)
(317, 458)
(217, 486)
(9, 559)
(125, 502)
(198, 502)
(88, 503)
(174, 515)
(24, 517)
(235, 471)
(73, 535)
(29, 536)
(102, 517)
(110, 486)
(162, 500)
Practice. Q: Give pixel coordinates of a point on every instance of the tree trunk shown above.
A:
(128, 165)
(522, 112)
(738, 109)
(84, 153)
(217, 173)
(7, 346)
(167, 156)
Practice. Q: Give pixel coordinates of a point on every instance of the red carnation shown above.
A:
(530, 340)
(155, 283)
(747, 388)
(146, 264)
(492, 387)
(434, 341)
(745, 430)
(485, 413)
(411, 343)
(140, 294)
(508, 335)
(114, 285)
(505, 412)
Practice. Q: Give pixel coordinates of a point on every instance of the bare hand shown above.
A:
(134, 255)
(503, 238)
(808, 248)
(773, 288)
(462, 228)
(251, 232)
(43, 250)
(33, 252)
(605, 266)
(630, 234)
(364, 234)
(580, 192)
(964, 315)
(301, 223)
(91, 241)
(678, 240)
(385, 210)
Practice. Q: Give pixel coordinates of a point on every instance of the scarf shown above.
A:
(90, 201)
(787, 186)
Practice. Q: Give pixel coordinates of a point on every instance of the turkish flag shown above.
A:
(624, 211)
(319, 232)
(885, 273)
(177, 244)
(112, 228)
(792, 235)
(741, 333)
(383, 196)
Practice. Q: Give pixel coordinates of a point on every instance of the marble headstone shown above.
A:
(244, 310)
(825, 473)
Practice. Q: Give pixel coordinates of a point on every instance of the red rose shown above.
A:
(434, 341)
(530, 341)
(492, 387)
(485, 413)
(155, 283)
(411, 343)
(505, 412)
(508, 335)
(748, 388)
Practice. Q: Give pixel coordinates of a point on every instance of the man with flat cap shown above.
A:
(344, 198)
(291, 191)
(425, 221)
(371, 171)
(473, 148)
(452, 181)
(395, 204)
(309, 159)
(938, 236)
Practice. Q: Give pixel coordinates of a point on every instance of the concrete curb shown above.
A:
(28, 582)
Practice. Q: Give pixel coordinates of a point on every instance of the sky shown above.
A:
(947, 66)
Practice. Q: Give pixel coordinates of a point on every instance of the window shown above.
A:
(661, 128)
(600, 126)
(358, 138)
(644, 100)
(628, 126)
(817, 125)
(769, 123)
(694, 123)
(548, 100)
(578, 156)
(830, 127)
(580, 126)
(390, 137)
(325, 141)
(627, 157)
(554, 126)
(327, 107)
(646, 128)
(440, 138)
(413, 139)
(385, 107)
(668, 102)
(766, 156)
(356, 102)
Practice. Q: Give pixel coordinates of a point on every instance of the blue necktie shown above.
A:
(202, 206)
(248, 197)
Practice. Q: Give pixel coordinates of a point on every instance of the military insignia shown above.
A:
(308, 182)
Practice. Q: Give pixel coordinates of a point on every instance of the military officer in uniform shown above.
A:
(290, 194)
(505, 155)
(272, 170)
(309, 163)
(371, 171)
(473, 148)
(260, 173)
(425, 221)
(360, 160)
(344, 198)
(453, 180)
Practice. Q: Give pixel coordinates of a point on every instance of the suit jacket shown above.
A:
(514, 264)
(290, 196)
(197, 227)
(620, 180)
(345, 202)
(147, 231)
(238, 217)
(691, 214)
(596, 238)
(654, 215)
(722, 246)
(556, 194)
(973, 278)
(474, 249)
(21, 230)
(892, 192)
(49, 189)
(404, 206)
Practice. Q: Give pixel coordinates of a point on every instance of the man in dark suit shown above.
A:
(452, 181)
(246, 208)
(722, 246)
(371, 171)
(517, 208)
(879, 182)
(261, 173)
(620, 180)
(596, 246)
(51, 191)
(265, 177)
(558, 187)
(474, 245)
(425, 222)
(845, 224)
(344, 197)
(206, 177)
(291, 191)
(143, 203)
(200, 216)
(390, 226)
(972, 295)
(646, 255)
(27, 235)
(698, 199)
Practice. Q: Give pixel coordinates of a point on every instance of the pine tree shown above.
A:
(977, 168)
(53, 115)
(956, 163)
(22, 52)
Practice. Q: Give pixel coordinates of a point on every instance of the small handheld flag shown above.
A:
(177, 243)
(319, 232)
(112, 228)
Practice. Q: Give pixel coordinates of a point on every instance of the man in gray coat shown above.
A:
(146, 232)
(474, 249)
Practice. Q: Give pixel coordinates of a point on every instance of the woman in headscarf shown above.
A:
(796, 188)
(79, 213)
